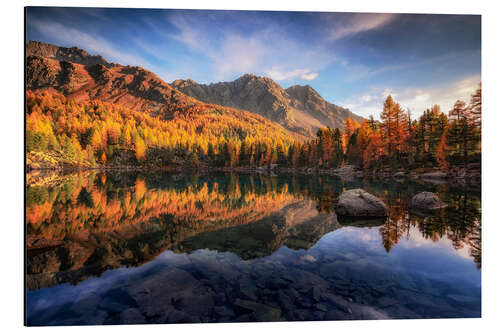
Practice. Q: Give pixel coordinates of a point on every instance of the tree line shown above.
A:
(98, 133)
(434, 140)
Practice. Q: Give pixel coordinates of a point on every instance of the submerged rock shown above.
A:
(260, 312)
(434, 175)
(132, 316)
(426, 201)
(359, 203)
(346, 170)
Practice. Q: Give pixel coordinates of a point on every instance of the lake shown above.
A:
(136, 247)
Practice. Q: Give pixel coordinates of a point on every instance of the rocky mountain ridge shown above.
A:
(298, 108)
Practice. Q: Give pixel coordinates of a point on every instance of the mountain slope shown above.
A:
(91, 112)
(299, 108)
(84, 77)
(309, 101)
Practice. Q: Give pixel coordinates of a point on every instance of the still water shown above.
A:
(110, 248)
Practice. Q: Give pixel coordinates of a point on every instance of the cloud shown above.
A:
(361, 71)
(347, 25)
(280, 74)
(239, 54)
(416, 99)
(309, 76)
(68, 36)
(187, 33)
(232, 53)
(358, 72)
(267, 50)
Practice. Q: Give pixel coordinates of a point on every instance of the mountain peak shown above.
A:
(71, 54)
(298, 89)
(248, 76)
(299, 108)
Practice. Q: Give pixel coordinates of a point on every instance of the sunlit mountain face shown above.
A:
(234, 238)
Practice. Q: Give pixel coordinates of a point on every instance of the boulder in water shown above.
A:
(359, 203)
(426, 201)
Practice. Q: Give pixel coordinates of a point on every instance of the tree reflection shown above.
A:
(98, 221)
(460, 222)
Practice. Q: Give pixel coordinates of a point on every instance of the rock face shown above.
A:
(359, 203)
(298, 108)
(426, 201)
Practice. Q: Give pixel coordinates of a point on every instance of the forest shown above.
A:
(434, 140)
(97, 134)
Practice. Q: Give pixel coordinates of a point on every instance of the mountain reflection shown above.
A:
(81, 225)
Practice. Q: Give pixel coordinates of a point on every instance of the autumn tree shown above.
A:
(389, 125)
(140, 149)
(459, 112)
(373, 152)
(394, 128)
(354, 153)
(349, 128)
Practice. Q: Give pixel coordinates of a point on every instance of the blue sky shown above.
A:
(351, 59)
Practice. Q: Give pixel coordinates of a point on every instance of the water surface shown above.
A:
(109, 248)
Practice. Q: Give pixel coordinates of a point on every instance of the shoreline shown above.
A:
(348, 172)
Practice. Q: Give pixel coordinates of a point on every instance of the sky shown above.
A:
(352, 59)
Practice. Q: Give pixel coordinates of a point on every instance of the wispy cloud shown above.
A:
(188, 32)
(361, 71)
(268, 51)
(68, 36)
(281, 74)
(347, 25)
(239, 54)
(416, 99)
